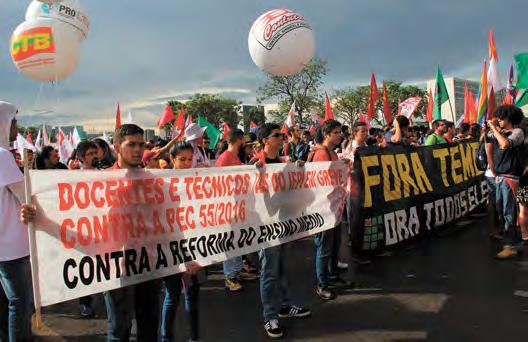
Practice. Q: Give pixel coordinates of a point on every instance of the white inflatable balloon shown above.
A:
(50, 2)
(281, 42)
(68, 11)
(45, 49)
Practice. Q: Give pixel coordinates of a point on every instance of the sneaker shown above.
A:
(233, 285)
(87, 312)
(324, 293)
(246, 267)
(507, 253)
(294, 311)
(245, 276)
(273, 328)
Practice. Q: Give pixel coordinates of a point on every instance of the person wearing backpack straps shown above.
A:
(508, 142)
(327, 243)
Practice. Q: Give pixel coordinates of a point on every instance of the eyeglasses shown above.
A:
(277, 135)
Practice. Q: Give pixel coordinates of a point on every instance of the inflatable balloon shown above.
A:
(281, 42)
(68, 11)
(50, 2)
(45, 49)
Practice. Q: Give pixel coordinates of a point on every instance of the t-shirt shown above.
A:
(13, 233)
(228, 159)
(434, 139)
(273, 161)
(322, 154)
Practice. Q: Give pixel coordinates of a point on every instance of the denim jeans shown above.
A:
(16, 300)
(323, 250)
(144, 299)
(173, 289)
(507, 208)
(274, 288)
(232, 267)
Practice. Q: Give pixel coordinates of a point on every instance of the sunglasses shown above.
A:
(277, 135)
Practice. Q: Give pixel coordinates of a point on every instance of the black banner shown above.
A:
(405, 192)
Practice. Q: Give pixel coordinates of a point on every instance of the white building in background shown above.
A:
(268, 108)
(455, 89)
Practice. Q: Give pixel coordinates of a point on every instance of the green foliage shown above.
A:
(303, 88)
(255, 114)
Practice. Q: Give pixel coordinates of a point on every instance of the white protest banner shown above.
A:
(102, 230)
(409, 106)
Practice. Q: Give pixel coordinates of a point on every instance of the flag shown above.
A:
(386, 106)
(492, 104)
(508, 99)
(179, 125)
(312, 130)
(22, 144)
(509, 86)
(409, 106)
(441, 95)
(472, 108)
(466, 104)
(76, 138)
(65, 148)
(252, 125)
(483, 97)
(167, 116)
(38, 142)
(290, 119)
(460, 121)
(128, 119)
(316, 119)
(522, 100)
(493, 72)
(362, 118)
(373, 98)
(212, 132)
(430, 105)
(188, 121)
(521, 61)
(227, 129)
(284, 129)
(29, 139)
(118, 117)
(45, 136)
(329, 114)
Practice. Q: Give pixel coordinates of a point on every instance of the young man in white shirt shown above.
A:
(16, 293)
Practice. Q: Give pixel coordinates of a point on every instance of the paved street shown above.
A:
(444, 288)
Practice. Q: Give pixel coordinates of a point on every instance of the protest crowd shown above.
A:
(502, 143)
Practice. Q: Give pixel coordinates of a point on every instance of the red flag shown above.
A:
(28, 138)
(362, 118)
(227, 129)
(252, 125)
(373, 98)
(329, 114)
(167, 117)
(290, 119)
(430, 106)
(466, 103)
(492, 50)
(492, 104)
(118, 117)
(386, 106)
(284, 129)
(508, 100)
(472, 109)
(312, 130)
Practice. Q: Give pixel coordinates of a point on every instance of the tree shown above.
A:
(303, 88)
(353, 101)
(255, 114)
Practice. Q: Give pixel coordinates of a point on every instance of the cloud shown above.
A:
(142, 53)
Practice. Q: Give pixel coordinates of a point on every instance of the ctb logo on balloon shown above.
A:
(32, 42)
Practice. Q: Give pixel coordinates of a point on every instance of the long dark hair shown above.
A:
(108, 159)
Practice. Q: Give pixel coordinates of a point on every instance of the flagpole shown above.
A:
(32, 245)
(451, 107)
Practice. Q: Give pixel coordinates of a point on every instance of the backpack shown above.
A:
(481, 158)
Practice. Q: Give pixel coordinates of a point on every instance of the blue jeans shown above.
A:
(232, 267)
(323, 251)
(173, 288)
(144, 299)
(274, 288)
(16, 300)
(507, 208)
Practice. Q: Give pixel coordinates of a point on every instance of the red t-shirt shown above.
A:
(228, 159)
(321, 155)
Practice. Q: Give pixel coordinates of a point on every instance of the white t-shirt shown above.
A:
(13, 234)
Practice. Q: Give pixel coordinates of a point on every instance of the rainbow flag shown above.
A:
(482, 107)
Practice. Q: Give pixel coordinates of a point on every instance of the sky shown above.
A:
(142, 53)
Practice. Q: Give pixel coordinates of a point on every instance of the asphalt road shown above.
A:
(446, 287)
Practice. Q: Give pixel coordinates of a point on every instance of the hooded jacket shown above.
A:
(7, 114)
